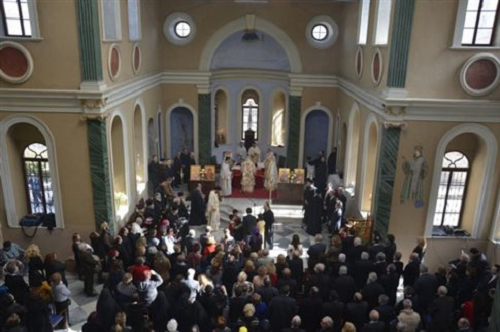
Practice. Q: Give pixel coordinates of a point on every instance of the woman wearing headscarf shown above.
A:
(159, 312)
(106, 309)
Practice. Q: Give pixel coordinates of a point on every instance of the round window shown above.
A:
(319, 32)
(182, 29)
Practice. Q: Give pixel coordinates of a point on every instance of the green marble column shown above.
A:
(89, 40)
(292, 152)
(204, 127)
(386, 175)
(400, 43)
(99, 167)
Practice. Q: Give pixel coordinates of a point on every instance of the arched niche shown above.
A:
(278, 121)
(17, 132)
(151, 138)
(343, 148)
(317, 133)
(369, 165)
(181, 130)
(221, 117)
(120, 172)
(352, 150)
(480, 146)
(160, 142)
(139, 153)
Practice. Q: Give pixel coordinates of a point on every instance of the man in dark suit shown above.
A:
(308, 201)
(353, 254)
(441, 311)
(390, 282)
(319, 280)
(386, 311)
(316, 252)
(357, 312)
(154, 172)
(311, 310)
(411, 270)
(344, 285)
(334, 308)
(425, 288)
(248, 223)
(372, 290)
(282, 308)
(374, 325)
(361, 269)
(269, 228)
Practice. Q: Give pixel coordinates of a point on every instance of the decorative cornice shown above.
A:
(401, 125)
(102, 98)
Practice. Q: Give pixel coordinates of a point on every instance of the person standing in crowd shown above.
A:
(89, 266)
(213, 208)
(226, 177)
(248, 223)
(271, 171)
(308, 201)
(269, 227)
(197, 216)
(332, 161)
(154, 173)
(178, 169)
(241, 153)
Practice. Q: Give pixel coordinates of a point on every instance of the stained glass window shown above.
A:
(452, 189)
(250, 116)
(40, 192)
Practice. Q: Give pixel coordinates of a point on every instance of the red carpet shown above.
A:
(261, 193)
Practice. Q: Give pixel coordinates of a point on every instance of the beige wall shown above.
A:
(290, 17)
(55, 57)
(70, 134)
(434, 67)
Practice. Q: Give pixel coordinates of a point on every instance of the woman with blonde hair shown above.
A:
(258, 280)
(420, 248)
(241, 281)
(121, 323)
(36, 274)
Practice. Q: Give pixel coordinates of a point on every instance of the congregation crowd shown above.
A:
(159, 275)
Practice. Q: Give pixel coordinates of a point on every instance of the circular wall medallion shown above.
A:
(16, 63)
(114, 61)
(377, 67)
(359, 61)
(322, 32)
(136, 58)
(179, 28)
(480, 74)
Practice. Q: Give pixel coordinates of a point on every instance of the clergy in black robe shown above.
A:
(332, 162)
(314, 223)
(197, 216)
(185, 165)
(154, 172)
(320, 175)
(308, 201)
(177, 169)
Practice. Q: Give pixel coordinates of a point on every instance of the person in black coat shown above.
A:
(311, 310)
(390, 248)
(249, 222)
(287, 279)
(353, 253)
(15, 281)
(372, 290)
(332, 162)
(177, 169)
(308, 201)
(390, 282)
(236, 305)
(106, 309)
(374, 325)
(441, 311)
(334, 308)
(197, 216)
(316, 252)
(320, 175)
(386, 311)
(362, 269)
(38, 316)
(357, 311)
(319, 280)
(344, 285)
(269, 228)
(425, 288)
(315, 218)
(154, 172)
(296, 266)
(88, 269)
(411, 270)
(282, 308)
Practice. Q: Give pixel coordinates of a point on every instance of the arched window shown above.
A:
(39, 188)
(220, 117)
(250, 110)
(452, 189)
(278, 122)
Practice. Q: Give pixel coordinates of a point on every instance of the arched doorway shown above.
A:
(316, 133)
(351, 160)
(181, 130)
(151, 138)
(120, 190)
(370, 152)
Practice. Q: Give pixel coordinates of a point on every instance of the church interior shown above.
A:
(405, 91)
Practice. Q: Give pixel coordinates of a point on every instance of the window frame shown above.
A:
(33, 19)
(118, 22)
(39, 162)
(362, 4)
(139, 21)
(250, 109)
(459, 28)
(451, 170)
(378, 23)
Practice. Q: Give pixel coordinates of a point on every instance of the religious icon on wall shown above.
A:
(416, 170)
(284, 175)
(209, 173)
(299, 175)
(195, 172)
